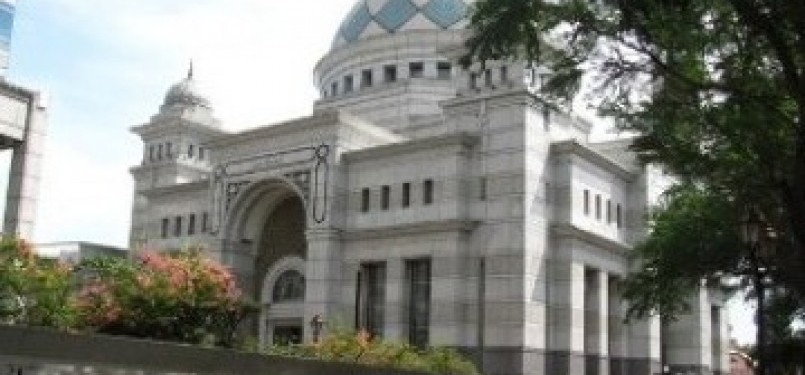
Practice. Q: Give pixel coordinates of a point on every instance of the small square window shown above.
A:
(365, 199)
(416, 69)
(406, 195)
(177, 229)
(366, 78)
(598, 207)
(191, 225)
(427, 192)
(586, 202)
(349, 84)
(444, 70)
(385, 197)
(390, 73)
(165, 227)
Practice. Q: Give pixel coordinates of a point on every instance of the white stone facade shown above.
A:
(424, 203)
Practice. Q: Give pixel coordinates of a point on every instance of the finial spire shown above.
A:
(190, 70)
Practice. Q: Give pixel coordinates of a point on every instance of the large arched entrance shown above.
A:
(265, 231)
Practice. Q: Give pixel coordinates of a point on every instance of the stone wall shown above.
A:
(35, 351)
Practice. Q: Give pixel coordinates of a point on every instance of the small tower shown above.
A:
(173, 151)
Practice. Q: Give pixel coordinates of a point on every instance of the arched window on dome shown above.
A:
(289, 287)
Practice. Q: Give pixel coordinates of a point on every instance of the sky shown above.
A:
(105, 66)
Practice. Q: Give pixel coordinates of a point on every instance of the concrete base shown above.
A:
(689, 370)
(530, 361)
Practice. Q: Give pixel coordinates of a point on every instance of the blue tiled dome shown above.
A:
(373, 17)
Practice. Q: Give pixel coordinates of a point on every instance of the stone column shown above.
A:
(566, 341)
(596, 322)
(394, 325)
(322, 276)
(644, 347)
(24, 175)
(688, 339)
(618, 339)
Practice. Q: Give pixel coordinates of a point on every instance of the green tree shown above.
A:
(178, 296)
(33, 291)
(715, 91)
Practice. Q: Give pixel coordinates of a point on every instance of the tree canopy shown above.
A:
(715, 91)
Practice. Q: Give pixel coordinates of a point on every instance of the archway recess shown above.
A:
(265, 239)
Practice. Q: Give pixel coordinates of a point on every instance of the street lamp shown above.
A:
(316, 325)
(758, 248)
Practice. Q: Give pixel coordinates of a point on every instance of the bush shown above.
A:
(33, 291)
(180, 297)
(360, 348)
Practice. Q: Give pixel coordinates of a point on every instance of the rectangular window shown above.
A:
(349, 84)
(366, 78)
(169, 149)
(191, 225)
(598, 207)
(371, 298)
(205, 222)
(619, 216)
(177, 229)
(416, 69)
(586, 202)
(609, 211)
(444, 70)
(427, 192)
(390, 73)
(165, 226)
(488, 78)
(385, 197)
(159, 152)
(473, 80)
(504, 73)
(201, 151)
(366, 196)
(482, 187)
(151, 153)
(191, 151)
(418, 280)
(334, 88)
(406, 195)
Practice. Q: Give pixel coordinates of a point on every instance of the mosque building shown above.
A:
(424, 203)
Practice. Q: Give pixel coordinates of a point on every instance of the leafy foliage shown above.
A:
(176, 296)
(33, 291)
(715, 91)
(359, 348)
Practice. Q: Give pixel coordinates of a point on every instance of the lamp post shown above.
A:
(316, 325)
(758, 248)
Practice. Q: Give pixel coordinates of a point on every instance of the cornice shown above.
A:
(566, 230)
(463, 139)
(187, 187)
(573, 147)
(457, 225)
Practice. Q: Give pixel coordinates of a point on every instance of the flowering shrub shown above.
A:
(176, 297)
(360, 348)
(33, 291)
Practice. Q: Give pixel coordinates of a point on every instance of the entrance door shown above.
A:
(287, 335)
